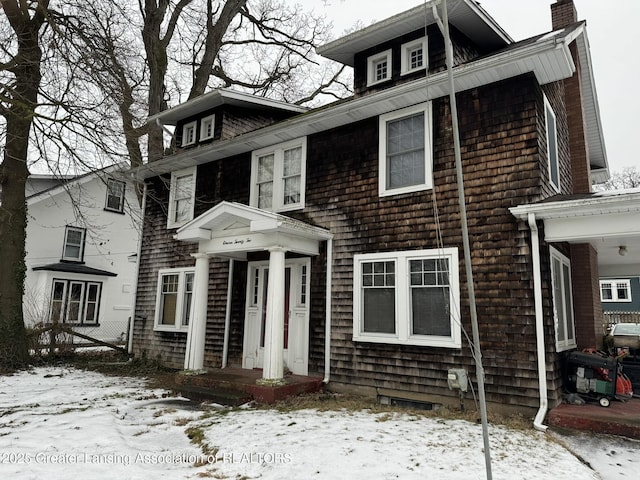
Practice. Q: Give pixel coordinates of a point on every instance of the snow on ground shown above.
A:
(64, 423)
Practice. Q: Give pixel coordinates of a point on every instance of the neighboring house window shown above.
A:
(615, 290)
(207, 125)
(174, 299)
(405, 157)
(278, 176)
(552, 144)
(73, 249)
(414, 56)
(379, 67)
(562, 301)
(189, 133)
(181, 197)
(74, 301)
(115, 195)
(410, 297)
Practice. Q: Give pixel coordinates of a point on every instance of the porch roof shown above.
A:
(232, 229)
(607, 220)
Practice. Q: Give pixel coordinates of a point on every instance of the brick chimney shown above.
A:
(584, 258)
(564, 14)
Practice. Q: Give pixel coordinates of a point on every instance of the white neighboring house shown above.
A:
(82, 239)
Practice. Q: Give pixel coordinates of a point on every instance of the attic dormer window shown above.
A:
(189, 134)
(379, 67)
(206, 127)
(414, 56)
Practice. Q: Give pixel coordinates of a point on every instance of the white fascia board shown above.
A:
(216, 98)
(586, 228)
(550, 60)
(608, 204)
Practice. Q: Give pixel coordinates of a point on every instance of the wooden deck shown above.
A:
(234, 386)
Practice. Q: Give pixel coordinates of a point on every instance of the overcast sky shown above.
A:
(614, 35)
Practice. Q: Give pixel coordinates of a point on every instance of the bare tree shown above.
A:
(20, 69)
(628, 177)
(79, 79)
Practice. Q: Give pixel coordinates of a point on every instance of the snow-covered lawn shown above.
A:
(64, 423)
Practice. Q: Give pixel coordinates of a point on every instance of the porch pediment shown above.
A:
(232, 229)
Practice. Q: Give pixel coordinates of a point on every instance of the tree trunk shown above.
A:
(13, 177)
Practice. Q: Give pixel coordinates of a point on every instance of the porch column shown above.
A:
(194, 355)
(273, 369)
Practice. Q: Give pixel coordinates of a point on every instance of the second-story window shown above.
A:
(379, 67)
(73, 249)
(278, 176)
(552, 144)
(181, 197)
(115, 195)
(405, 157)
(189, 134)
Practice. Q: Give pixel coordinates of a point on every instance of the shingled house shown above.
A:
(328, 242)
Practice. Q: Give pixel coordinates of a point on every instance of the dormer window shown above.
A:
(206, 127)
(414, 56)
(189, 134)
(379, 67)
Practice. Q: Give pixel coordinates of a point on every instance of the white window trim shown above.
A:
(549, 108)
(80, 257)
(177, 325)
(123, 187)
(405, 61)
(403, 333)
(65, 305)
(614, 290)
(425, 108)
(277, 204)
(371, 71)
(203, 130)
(172, 200)
(562, 345)
(185, 128)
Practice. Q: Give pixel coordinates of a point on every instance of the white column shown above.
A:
(194, 355)
(272, 369)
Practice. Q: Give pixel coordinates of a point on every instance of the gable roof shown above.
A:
(466, 15)
(547, 56)
(62, 183)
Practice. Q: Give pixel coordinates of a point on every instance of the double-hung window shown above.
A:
(615, 290)
(174, 299)
(189, 133)
(115, 195)
(75, 301)
(74, 239)
(552, 145)
(181, 197)
(379, 67)
(414, 56)
(405, 158)
(410, 297)
(278, 176)
(562, 301)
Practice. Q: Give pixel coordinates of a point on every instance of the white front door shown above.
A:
(296, 315)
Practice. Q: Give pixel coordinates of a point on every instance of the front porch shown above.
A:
(235, 386)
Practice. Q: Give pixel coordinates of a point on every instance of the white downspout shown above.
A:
(327, 319)
(537, 295)
(227, 316)
(137, 272)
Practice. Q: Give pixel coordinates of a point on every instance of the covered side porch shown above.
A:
(277, 250)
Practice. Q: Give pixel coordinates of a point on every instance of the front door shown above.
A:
(296, 315)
